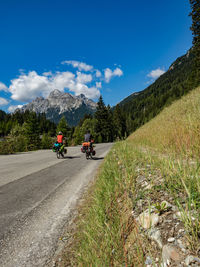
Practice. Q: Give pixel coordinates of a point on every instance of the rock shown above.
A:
(148, 261)
(144, 184)
(171, 239)
(170, 253)
(181, 231)
(140, 179)
(148, 220)
(168, 221)
(180, 244)
(191, 259)
(149, 186)
(155, 235)
(174, 208)
(140, 203)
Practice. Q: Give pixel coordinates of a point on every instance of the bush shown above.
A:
(46, 141)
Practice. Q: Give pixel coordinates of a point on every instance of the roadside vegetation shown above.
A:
(159, 162)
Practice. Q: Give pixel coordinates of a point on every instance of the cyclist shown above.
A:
(60, 138)
(88, 136)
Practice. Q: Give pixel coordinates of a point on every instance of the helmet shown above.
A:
(60, 133)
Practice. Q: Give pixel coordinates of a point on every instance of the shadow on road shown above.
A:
(95, 158)
(70, 157)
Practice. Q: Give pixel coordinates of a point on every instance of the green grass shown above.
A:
(166, 152)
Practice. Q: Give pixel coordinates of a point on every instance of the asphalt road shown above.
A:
(38, 192)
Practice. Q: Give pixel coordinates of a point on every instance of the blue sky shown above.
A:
(107, 47)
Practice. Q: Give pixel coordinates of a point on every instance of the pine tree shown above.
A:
(102, 119)
(32, 131)
(110, 126)
(63, 127)
(46, 141)
(195, 14)
(119, 123)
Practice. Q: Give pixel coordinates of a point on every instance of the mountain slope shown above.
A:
(178, 80)
(59, 104)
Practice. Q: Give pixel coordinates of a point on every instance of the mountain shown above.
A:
(59, 104)
(140, 107)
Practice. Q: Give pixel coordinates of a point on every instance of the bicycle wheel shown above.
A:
(58, 154)
(87, 154)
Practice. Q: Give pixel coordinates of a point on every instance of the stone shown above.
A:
(170, 253)
(144, 184)
(155, 235)
(148, 261)
(149, 186)
(191, 259)
(171, 239)
(180, 244)
(148, 220)
(140, 203)
(181, 231)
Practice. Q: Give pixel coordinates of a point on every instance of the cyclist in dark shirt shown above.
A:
(88, 136)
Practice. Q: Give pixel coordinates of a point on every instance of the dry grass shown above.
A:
(175, 129)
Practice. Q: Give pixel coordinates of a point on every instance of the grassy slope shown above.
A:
(166, 152)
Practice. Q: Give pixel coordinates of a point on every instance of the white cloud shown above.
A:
(28, 87)
(108, 73)
(98, 85)
(154, 74)
(80, 88)
(61, 80)
(3, 87)
(83, 78)
(48, 73)
(3, 101)
(98, 73)
(77, 64)
(12, 108)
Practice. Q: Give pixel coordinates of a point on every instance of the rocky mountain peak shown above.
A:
(81, 96)
(55, 93)
(59, 104)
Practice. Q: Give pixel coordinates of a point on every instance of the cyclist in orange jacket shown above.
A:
(60, 138)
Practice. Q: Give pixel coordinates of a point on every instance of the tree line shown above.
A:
(25, 131)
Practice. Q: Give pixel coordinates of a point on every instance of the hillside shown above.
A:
(144, 208)
(142, 106)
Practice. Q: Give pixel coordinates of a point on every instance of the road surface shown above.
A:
(38, 192)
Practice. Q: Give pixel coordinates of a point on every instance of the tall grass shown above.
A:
(176, 129)
(107, 234)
